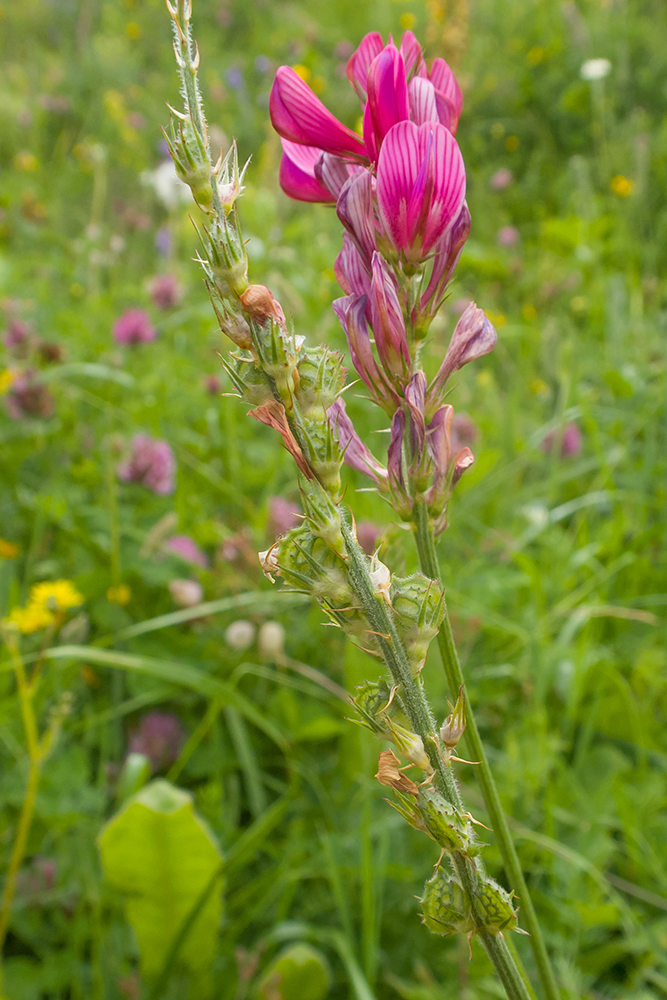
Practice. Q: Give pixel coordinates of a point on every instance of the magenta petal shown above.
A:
(446, 112)
(473, 337)
(355, 211)
(298, 115)
(438, 439)
(413, 57)
(333, 172)
(446, 253)
(349, 269)
(423, 104)
(395, 453)
(420, 185)
(351, 313)
(387, 92)
(444, 80)
(356, 454)
(297, 173)
(357, 67)
(415, 396)
(387, 320)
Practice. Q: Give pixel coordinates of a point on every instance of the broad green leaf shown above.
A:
(299, 972)
(161, 855)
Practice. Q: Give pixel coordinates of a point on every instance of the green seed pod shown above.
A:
(419, 608)
(495, 905)
(191, 158)
(444, 909)
(321, 378)
(444, 823)
(323, 452)
(323, 516)
(226, 257)
(248, 378)
(371, 702)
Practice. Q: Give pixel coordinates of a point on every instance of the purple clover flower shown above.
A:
(151, 463)
(159, 737)
(28, 397)
(134, 327)
(165, 291)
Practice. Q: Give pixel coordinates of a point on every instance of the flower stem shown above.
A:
(428, 561)
(509, 971)
(35, 756)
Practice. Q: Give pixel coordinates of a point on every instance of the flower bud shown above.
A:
(191, 159)
(454, 725)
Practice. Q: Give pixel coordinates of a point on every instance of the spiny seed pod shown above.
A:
(445, 824)
(321, 378)
(248, 378)
(231, 321)
(226, 257)
(419, 608)
(322, 450)
(323, 516)
(307, 563)
(444, 906)
(275, 348)
(375, 705)
(494, 905)
(190, 156)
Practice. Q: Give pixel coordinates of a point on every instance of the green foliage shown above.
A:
(162, 857)
(298, 972)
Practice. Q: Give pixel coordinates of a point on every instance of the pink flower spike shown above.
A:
(356, 454)
(448, 88)
(423, 105)
(387, 97)
(355, 211)
(297, 173)
(298, 115)
(387, 320)
(420, 186)
(349, 269)
(371, 45)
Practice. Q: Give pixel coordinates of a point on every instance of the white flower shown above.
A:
(186, 593)
(271, 640)
(595, 69)
(167, 185)
(240, 635)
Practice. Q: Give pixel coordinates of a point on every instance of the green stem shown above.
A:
(429, 565)
(25, 692)
(418, 711)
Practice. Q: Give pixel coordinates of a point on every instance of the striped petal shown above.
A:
(297, 173)
(387, 94)
(371, 45)
(350, 271)
(448, 89)
(298, 115)
(387, 320)
(355, 452)
(423, 103)
(355, 211)
(420, 186)
(413, 56)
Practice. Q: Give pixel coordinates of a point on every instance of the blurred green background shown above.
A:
(554, 560)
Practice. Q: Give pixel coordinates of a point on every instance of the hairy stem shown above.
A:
(428, 561)
(421, 718)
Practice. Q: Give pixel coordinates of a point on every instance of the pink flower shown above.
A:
(159, 737)
(298, 115)
(165, 292)
(16, 337)
(394, 86)
(355, 452)
(283, 515)
(501, 179)
(508, 236)
(187, 549)
(28, 397)
(212, 385)
(134, 327)
(420, 186)
(571, 441)
(367, 536)
(151, 463)
(474, 336)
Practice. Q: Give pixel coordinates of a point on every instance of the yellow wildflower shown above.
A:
(302, 71)
(8, 550)
(622, 186)
(407, 21)
(120, 594)
(7, 377)
(32, 618)
(55, 595)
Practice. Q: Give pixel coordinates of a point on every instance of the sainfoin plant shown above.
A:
(399, 192)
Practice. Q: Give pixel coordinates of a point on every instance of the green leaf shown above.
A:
(299, 972)
(159, 853)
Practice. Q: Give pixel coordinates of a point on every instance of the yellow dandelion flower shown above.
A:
(120, 594)
(55, 595)
(8, 550)
(30, 619)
